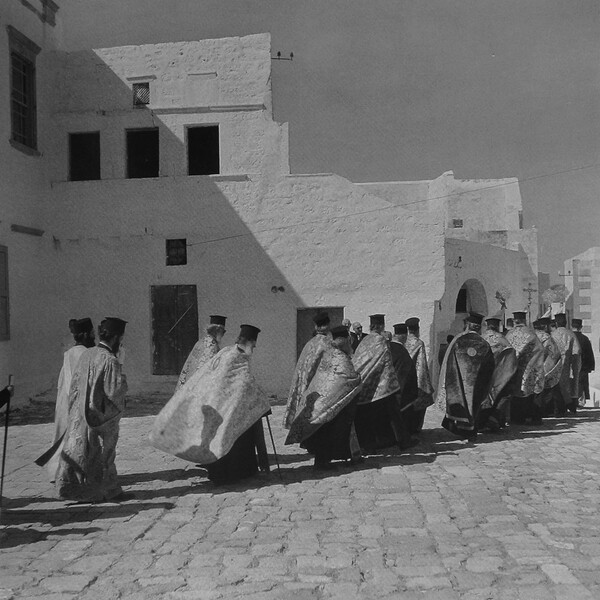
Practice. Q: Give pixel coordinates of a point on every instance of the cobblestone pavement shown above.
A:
(514, 516)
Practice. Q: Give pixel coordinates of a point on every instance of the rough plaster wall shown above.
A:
(241, 64)
(286, 237)
(23, 187)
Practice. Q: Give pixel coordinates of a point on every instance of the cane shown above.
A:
(274, 449)
(8, 394)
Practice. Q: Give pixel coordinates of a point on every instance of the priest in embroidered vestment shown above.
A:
(215, 419)
(465, 379)
(528, 380)
(83, 334)
(568, 387)
(494, 409)
(552, 364)
(204, 349)
(378, 416)
(307, 366)
(325, 414)
(86, 469)
(416, 349)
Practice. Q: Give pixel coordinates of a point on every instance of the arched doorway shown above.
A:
(471, 298)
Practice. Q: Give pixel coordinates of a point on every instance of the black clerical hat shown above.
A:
(217, 320)
(400, 328)
(114, 325)
(474, 318)
(249, 332)
(377, 319)
(82, 326)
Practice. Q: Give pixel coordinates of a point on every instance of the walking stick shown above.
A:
(274, 449)
(7, 402)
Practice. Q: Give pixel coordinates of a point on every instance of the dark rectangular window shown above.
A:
(84, 156)
(4, 312)
(520, 219)
(141, 94)
(457, 223)
(23, 54)
(142, 153)
(176, 252)
(203, 150)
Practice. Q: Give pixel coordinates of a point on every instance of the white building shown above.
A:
(582, 279)
(160, 192)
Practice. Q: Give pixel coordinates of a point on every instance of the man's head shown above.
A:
(493, 324)
(473, 322)
(216, 327)
(576, 324)
(400, 332)
(341, 338)
(83, 332)
(413, 325)
(247, 338)
(520, 317)
(561, 319)
(510, 323)
(542, 324)
(449, 338)
(321, 322)
(357, 327)
(111, 331)
(347, 324)
(377, 323)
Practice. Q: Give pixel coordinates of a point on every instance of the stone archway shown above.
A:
(471, 298)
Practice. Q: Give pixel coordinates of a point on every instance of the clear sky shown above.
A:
(407, 89)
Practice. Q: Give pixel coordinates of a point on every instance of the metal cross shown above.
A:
(530, 290)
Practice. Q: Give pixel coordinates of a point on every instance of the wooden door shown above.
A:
(305, 326)
(174, 326)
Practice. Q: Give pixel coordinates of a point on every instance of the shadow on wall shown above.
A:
(112, 234)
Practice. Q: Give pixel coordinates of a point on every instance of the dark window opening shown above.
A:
(176, 252)
(23, 54)
(84, 156)
(520, 219)
(203, 150)
(142, 153)
(457, 223)
(141, 94)
(461, 301)
(4, 313)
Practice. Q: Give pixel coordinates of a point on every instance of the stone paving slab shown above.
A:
(514, 516)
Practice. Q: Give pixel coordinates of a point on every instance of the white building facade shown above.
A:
(163, 194)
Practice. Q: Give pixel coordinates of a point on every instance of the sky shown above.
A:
(391, 90)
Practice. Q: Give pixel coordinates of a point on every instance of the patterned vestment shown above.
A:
(306, 367)
(505, 359)
(552, 359)
(334, 386)
(416, 349)
(529, 377)
(218, 403)
(570, 351)
(373, 362)
(86, 469)
(201, 353)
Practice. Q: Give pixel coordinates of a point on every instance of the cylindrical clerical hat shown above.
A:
(474, 318)
(413, 322)
(114, 325)
(249, 332)
(321, 319)
(576, 322)
(495, 320)
(217, 320)
(544, 321)
(400, 328)
(519, 314)
(83, 326)
(339, 331)
(377, 319)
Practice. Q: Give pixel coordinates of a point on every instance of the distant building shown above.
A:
(158, 190)
(582, 279)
